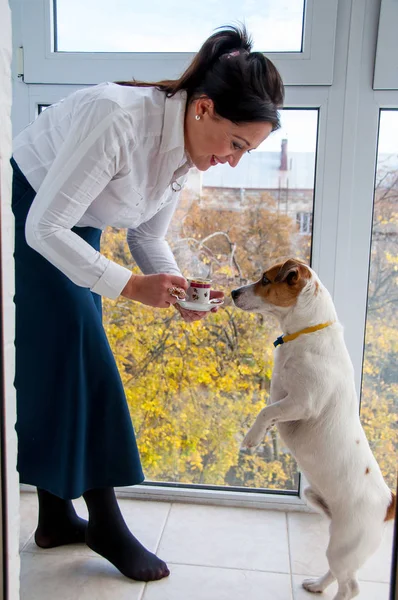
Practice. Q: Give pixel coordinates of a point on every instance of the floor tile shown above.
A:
(28, 517)
(74, 578)
(80, 508)
(308, 538)
(145, 519)
(205, 583)
(226, 537)
(368, 590)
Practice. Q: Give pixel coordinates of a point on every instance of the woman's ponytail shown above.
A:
(228, 40)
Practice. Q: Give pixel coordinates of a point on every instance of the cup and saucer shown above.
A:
(198, 296)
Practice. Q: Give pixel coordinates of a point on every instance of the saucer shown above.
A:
(201, 307)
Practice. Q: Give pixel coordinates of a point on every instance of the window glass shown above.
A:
(379, 406)
(173, 26)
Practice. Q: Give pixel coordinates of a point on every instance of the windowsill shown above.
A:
(253, 500)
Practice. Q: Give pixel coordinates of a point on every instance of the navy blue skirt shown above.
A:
(73, 424)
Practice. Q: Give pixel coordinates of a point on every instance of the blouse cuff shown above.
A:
(112, 281)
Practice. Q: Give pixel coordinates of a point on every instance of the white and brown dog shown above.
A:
(314, 404)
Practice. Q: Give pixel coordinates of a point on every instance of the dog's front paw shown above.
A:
(253, 438)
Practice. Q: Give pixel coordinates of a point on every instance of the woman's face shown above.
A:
(211, 139)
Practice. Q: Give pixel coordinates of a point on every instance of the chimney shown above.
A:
(283, 165)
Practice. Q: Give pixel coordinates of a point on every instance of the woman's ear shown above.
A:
(204, 106)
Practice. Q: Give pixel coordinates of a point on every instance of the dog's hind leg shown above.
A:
(342, 554)
(351, 543)
(347, 589)
(316, 501)
(319, 584)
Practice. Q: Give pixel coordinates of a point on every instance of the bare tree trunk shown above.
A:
(275, 443)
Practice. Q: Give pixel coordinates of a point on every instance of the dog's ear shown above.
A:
(292, 271)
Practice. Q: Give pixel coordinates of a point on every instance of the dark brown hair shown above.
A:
(245, 86)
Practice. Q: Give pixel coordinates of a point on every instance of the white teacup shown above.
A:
(199, 290)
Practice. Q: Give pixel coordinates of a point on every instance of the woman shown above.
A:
(113, 154)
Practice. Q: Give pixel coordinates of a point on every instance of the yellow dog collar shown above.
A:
(282, 339)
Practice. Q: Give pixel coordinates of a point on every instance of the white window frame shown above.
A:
(386, 64)
(313, 66)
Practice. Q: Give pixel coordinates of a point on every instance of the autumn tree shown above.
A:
(379, 405)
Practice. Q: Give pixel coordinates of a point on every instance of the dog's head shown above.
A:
(279, 288)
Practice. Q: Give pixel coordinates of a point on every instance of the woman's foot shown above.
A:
(126, 553)
(108, 535)
(58, 522)
(60, 534)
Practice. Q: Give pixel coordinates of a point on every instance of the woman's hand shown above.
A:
(154, 290)
(192, 315)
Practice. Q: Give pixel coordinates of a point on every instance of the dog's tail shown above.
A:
(391, 508)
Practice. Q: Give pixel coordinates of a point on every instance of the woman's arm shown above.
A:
(148, 245)
(152, 253)
(84, 164)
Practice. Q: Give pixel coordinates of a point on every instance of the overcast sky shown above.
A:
(174, 25)
(388, 135)
(299, 127)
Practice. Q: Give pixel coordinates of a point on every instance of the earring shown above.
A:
(197, 117)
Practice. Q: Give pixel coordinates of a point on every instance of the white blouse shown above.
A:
(106, 155)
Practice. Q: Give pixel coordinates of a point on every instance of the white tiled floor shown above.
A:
(214, 553)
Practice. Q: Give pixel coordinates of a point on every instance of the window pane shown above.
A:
(194, 389)
(174, 26)
(380, 377)
(41, 108)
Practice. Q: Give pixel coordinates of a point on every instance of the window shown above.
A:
(304, 222)
(151, 26)
(194, 390)
(379, 407)
(300, 41)
(41, 107)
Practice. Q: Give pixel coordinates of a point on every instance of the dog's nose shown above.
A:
(235, 294)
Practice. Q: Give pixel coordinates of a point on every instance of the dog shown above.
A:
(313, 403)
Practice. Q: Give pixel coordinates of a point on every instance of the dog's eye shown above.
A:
(265, 280)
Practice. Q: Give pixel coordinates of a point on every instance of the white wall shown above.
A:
(7, 233)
